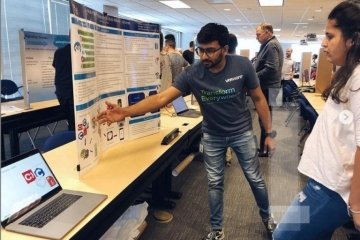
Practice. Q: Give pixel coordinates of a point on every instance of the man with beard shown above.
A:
(218, 82)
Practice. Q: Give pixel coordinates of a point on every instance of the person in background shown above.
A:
(178, 63)
(288, 69)
(313, 66)
(232, 43)
(171, 37)
(165, 67)
(268, 65)
(64, 83)
(331, 156)
(188, 54)
(218, 83)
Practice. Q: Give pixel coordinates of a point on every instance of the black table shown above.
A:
(13, 124)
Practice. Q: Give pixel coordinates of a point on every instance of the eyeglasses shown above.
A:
(209, 51)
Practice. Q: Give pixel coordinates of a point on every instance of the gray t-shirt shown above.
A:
(221, 96)
(177, 64)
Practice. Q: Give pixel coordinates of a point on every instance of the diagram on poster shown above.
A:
(115, 60)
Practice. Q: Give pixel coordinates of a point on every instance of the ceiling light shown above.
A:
(175, 4)
(219, 1)
(300, 23)
(227, 9)
(277, 29)
(271, 3)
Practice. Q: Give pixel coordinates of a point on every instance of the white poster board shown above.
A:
(114, 60)
(37, 50)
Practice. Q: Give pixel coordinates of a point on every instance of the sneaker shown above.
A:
(263, 154)
(270, 225)
(215, 235)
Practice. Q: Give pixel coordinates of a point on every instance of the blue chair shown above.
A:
(58, 139)
(310, 116)
(292, 102)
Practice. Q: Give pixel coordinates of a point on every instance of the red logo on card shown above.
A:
(51, 180)
(29, 176)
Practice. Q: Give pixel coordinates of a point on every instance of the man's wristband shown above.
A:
(271, 134)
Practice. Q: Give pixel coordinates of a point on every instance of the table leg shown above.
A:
(14, 143)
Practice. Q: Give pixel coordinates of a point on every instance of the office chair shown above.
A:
(311, 115)
(291, 98)
(304, 114)
(8, 91)
(58, 139)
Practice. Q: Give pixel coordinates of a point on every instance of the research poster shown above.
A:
(115, 60)
(39, 74)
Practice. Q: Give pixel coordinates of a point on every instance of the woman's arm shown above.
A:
(354, 200)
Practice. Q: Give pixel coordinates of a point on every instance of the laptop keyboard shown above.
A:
(44, 215)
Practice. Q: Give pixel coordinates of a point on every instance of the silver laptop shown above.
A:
(182, 109)
(33, 202)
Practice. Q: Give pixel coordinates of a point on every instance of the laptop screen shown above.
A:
(179, 105)
(24, 182)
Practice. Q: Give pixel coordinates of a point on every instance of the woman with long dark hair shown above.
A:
(331, 156)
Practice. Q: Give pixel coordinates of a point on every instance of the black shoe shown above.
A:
(263, 154)
(270, 225)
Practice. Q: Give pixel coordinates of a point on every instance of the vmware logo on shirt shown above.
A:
(233, 78)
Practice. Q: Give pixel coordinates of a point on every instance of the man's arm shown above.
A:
(114, 113)
(354, 199)
(292, 70)
(263, 111)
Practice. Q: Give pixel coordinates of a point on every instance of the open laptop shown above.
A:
(182, 109)
(29, 188)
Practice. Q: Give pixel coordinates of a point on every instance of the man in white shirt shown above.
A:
(288, 69)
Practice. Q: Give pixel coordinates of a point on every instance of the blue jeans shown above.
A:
(314, 214)
(245, 148)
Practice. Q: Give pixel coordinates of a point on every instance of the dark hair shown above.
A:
(213, 32)
(161, 41)
(347, 18)
(170, 43)
(191, 44)
(170, 37)
(232, 43)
